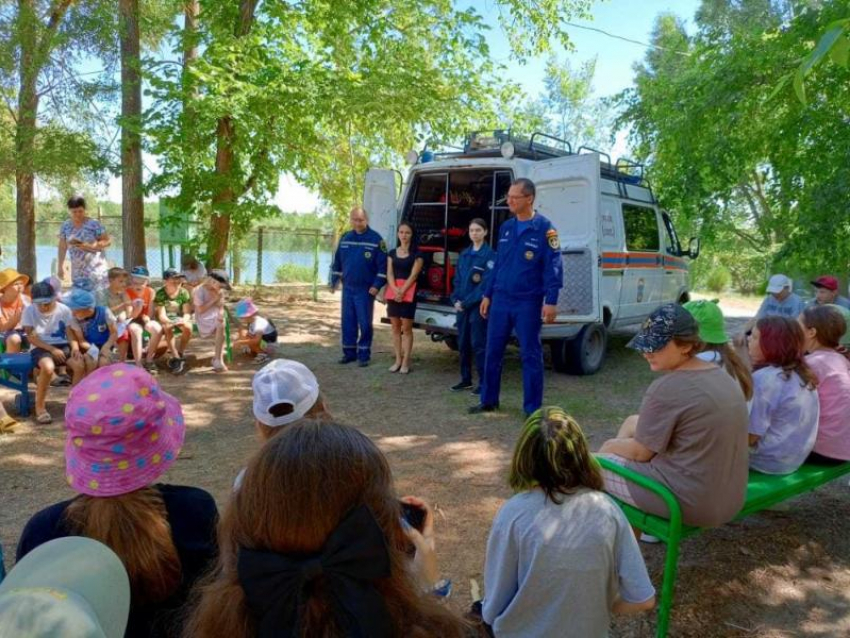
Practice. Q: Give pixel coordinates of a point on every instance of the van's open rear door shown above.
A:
(379, 200)
(568, 194)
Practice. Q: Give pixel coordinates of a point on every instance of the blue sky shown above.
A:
(632, 19)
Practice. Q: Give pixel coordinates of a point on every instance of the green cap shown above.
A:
(712, 327)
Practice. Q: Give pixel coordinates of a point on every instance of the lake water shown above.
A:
(46, 257)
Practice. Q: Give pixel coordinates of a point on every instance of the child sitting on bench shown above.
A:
(691, 432)
(48, 325)
(12, 304)
(93, 334)
(784, 414)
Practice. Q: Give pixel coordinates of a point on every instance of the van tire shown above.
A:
(583, 354)
(451, 342)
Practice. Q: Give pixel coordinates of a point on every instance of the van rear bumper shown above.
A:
(434, 319)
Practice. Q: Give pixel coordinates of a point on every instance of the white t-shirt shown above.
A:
(52, 327)
(260, 326)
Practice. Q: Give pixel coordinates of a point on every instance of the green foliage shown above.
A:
(325, 90)
(293, 273)
(760, 176)
(718, 279)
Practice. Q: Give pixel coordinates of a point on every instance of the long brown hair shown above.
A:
(734, 366)
(135, 526)
(828, 323)
(296, 490)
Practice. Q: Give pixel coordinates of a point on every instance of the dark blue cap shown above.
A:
(140, 271)
(668, 321)
(172, 273)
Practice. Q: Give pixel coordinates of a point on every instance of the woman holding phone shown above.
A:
(404, 264)
(85, 240)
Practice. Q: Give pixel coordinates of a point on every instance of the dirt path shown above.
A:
(779, 574)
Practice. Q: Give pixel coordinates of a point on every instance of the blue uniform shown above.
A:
(361, 262)
(528, 273)
(474, 268)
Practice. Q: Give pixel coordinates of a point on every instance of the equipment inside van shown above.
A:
(622, 257)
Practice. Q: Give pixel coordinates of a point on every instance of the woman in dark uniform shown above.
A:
(403, 267)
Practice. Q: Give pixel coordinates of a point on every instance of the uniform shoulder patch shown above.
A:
(383, 246)
(552, 238)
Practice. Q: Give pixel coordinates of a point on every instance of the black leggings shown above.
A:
(820, 459)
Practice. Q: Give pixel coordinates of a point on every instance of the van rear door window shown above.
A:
(641, 227)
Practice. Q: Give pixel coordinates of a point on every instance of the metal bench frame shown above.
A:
(763, 491)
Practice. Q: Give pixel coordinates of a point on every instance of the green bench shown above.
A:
(763, 491)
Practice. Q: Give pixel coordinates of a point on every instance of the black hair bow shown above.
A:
(354, 556)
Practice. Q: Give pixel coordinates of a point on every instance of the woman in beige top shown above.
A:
(691, 431)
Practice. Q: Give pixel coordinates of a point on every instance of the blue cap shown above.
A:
(666, 322)
(42, 292)
(141, 272)
(79, 299)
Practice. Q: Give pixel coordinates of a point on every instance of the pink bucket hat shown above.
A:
(245, 308)
(123, 431)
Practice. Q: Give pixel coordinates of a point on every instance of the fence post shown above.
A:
(316, 267)
(260, 256)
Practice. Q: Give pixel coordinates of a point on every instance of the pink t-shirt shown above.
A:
(833, 373)
(209, 320)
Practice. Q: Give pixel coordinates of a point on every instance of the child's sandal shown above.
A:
(7, 425)
(44, 418)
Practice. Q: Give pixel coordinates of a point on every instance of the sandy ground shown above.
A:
(778, 574)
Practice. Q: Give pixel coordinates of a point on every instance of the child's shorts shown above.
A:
(38, 354)
(270, 337)
(23, 335)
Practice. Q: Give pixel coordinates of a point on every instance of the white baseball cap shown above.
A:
(778, 283)
(283, 382)
(71, 587)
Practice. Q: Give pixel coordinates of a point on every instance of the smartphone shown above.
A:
(415, 516)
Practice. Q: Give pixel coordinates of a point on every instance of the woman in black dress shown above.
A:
(403, 267)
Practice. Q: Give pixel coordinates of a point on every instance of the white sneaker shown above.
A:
(648, 538)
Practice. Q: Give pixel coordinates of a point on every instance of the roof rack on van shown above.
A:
(624, 171)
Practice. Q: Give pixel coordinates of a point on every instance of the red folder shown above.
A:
(408, 296)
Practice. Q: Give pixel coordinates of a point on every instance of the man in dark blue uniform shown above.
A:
(521, 294)
(361, 262)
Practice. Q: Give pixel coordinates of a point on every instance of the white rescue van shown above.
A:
(622, 257)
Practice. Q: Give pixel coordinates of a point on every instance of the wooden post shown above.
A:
(316, 267)
(260, 256)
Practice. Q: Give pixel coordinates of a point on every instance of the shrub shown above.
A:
(718, 279)
(293, 273)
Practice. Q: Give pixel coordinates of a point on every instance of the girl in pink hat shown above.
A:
(123, 433)
(256, 334)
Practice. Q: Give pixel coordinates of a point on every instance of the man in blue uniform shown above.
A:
(520, 295)
(361, 262)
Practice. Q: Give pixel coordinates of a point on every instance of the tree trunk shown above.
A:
(225, 158)
(191, 9)
(24, 152)
(132, 204)
(35, 49)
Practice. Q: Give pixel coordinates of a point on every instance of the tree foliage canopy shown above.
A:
(762, 176)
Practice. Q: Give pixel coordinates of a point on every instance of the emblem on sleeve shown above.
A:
(383, 246)
(552, 238)
(476, 277)
(529, 255)
(490, 264)
(367, 255)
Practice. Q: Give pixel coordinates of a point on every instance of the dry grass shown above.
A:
(773, 575)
